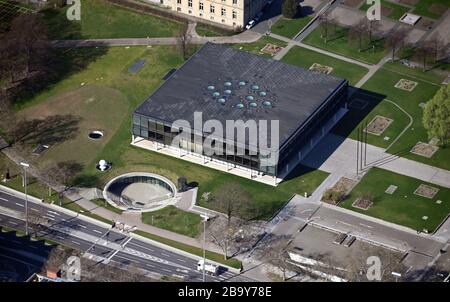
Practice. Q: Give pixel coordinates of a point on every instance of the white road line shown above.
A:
(33, 209)
(182, 260)
(97, 231)
(83, 226)
(365, 225)
(12, 222)
(49, 218)
(127, 259)
(48, 214)
(166, 270)
(75, 242)
(19, 204)
(164, 254)
(4, 199)
(144, 247)
(54, 213)
(59, 237)
(149, 265)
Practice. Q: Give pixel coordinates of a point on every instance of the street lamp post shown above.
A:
(25, 167)
(205, 219)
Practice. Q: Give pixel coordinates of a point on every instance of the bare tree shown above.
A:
(233, 200)
(277, 253)
(436, 45)
(423, 52)
(224, 234)
(325, 22)
(37, 223)
(358, 32)
(395, 39)
(373, 27)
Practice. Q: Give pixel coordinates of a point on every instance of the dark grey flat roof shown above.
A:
(293, 92)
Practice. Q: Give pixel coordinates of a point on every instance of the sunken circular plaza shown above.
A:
(140, 191)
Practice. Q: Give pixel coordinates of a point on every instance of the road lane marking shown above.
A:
(75, 242)
(144, 247)
(49, 218)
(367, 226)
(182, 260)
(127, 259)
(83, 226)
(149, 265)
(12, 222)
(19, 204)
(166, 270)
(48, 214)
(60, 238)
(97, 231)
(33, 209)
(4, 199)
(164, 254)
(54, 213)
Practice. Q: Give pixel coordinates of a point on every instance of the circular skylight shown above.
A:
(221, 100)
(228, 91)
(211, 87)
(216, 94)
(228, 84)
(240, 106)
(249, 98)
(255, 87)
(242, 83)
(262, 93)
(253, 105)
(267, 103)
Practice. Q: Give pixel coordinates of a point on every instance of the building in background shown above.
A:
(230, 13)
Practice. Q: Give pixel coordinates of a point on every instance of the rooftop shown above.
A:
(228, 84)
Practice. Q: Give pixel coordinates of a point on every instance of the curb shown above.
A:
(103, 224)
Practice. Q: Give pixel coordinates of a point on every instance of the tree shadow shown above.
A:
(49, 131)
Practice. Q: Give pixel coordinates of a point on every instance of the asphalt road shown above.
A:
(141, 253)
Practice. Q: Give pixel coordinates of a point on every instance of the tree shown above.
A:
(233, 200)
(325, 22)
(372, 27)
(423, 53)
(436, 115)
(223, 234)
(436, 45)
(290, 8)
(183, 41)
(278, 256)
(37, 223)
(395, 39)
(357, 32)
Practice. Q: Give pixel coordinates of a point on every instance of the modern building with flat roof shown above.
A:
(226, 84)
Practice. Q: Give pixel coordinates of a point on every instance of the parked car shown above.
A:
(250, 24)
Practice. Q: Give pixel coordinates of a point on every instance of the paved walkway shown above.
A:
(245, 37)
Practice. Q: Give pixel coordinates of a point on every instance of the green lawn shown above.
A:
(290, 27)
(305, 58)
(106, 205)
(422, 8)
(112, 67)
(338, 43)
(402, 207)
(205, 30)
(397, 10)
(100, 19)
(383, 82)
(173, 219)
(256, 47)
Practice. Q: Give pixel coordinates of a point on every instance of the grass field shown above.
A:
(402, 207)
(338, 43)
(305, 58)
(205, 30)
(423, 8)
(383, 82)
(289, 27)
(100, 19)
(256, 47)
(175, 220)
(112, 65)
(397, 11)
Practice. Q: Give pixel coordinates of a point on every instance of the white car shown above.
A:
(250, 24)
